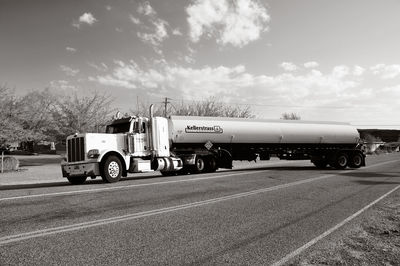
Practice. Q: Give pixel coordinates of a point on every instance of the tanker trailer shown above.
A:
(207, 143)
(188, 144)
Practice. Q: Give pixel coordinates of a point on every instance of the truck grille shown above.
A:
(76, 149)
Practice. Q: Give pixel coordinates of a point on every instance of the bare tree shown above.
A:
(83, 114)
(290, 116)
(208, 107)
(37, 114)
(10, 128)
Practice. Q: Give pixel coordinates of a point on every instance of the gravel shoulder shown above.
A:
(371, 239)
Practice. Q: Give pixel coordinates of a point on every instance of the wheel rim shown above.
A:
(342, 161)
(113, 169)
(357, 160)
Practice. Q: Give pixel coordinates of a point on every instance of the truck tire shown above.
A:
(77, 180)
(211, 164)
(341, 161)
(112, 169)
(199, 165)
(356, 160)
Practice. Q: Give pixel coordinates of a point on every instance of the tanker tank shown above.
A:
(192, 130)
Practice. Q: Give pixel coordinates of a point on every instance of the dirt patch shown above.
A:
(374, 239)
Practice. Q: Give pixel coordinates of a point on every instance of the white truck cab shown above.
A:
(130, 145)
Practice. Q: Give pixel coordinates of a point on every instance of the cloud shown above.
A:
(229, 82)
(157, 32)
(98, 67)
(358, 71)
(146, 9)
(85, 18)
(236, 23)
(134, 20)
(108, 8)
(341, 71)
(69, 71)
(386, 71)
(70, 49)
(311, 64)
(61, 85)
(288, 66)
(177, 32)
(157, 36)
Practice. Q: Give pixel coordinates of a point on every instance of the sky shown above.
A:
(324, 60)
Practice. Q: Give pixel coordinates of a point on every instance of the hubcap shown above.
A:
(113, 169)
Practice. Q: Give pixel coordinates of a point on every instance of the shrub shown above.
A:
(10, 163)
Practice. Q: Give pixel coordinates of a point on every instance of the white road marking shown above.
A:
(293, 254)
(74, 192)
(98, 222)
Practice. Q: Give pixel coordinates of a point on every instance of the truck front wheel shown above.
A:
(112, 169)
(77, 180)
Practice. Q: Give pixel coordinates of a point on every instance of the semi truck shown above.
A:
(180, 145)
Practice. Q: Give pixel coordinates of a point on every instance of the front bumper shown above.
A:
(80, 169)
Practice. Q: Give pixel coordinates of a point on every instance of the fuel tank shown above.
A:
(192, 129)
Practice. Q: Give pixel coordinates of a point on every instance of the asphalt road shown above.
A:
(251, 216)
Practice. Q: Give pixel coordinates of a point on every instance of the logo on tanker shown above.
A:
(203, 129)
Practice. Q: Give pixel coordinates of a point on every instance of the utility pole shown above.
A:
(166, 102)
(137, 104)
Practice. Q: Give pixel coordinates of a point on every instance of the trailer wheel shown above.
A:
(341, 161)
(356, 160)
(211, 165)
(199, 165)
(77, 180)
(112, 169)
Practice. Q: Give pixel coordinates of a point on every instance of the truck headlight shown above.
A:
(93, 153)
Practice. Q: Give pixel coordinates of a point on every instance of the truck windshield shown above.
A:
(118, 128)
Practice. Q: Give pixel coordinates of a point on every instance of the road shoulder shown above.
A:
(373, 238)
